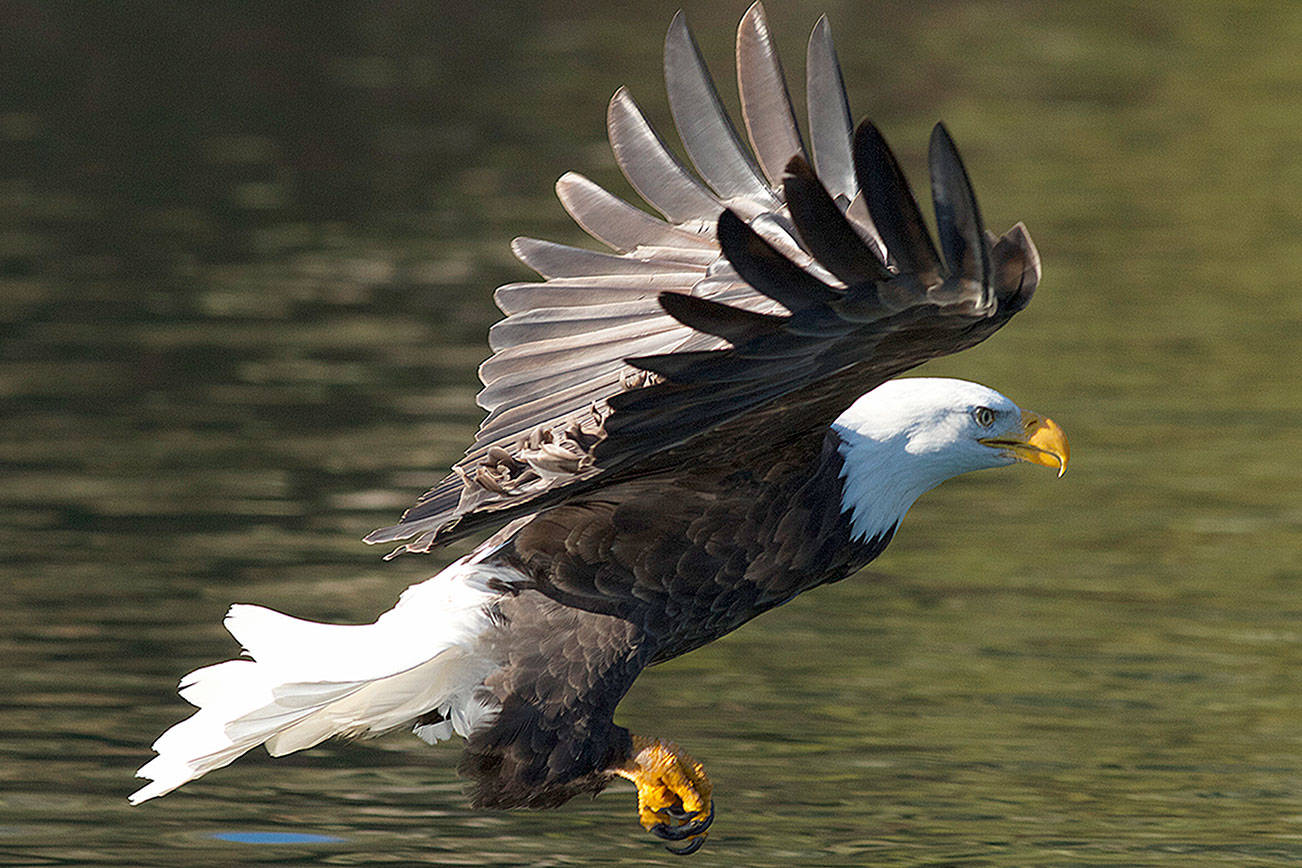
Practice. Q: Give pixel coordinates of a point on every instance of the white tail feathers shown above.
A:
(308, 681)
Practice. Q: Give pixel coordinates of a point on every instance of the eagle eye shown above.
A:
(984, 416)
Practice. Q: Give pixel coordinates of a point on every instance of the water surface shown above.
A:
(245, 274)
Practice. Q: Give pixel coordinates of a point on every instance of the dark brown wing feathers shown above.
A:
(892, 206)
(733, 324)
(826, 232)
(958, 219)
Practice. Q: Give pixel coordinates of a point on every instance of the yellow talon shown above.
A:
(673, 792)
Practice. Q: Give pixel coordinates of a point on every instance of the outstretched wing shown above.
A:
(768, 299)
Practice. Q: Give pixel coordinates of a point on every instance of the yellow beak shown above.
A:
(1041, 442)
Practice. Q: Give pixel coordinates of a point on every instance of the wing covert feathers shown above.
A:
(962, 234)
(779, 286)
(826, 231)
(892, 206)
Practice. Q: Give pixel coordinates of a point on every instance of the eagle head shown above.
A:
(907, 436)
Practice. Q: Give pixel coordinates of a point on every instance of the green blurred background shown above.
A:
(246, 259)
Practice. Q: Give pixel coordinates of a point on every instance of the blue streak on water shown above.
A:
(275, 838)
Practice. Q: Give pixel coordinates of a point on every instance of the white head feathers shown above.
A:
(907, 436)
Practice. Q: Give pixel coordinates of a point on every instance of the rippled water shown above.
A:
(245, 267)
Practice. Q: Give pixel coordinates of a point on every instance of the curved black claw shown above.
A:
(686, 830)
(689, 848)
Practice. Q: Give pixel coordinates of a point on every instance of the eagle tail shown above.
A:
(303, 682)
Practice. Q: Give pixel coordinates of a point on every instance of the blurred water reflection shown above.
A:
(245, 262)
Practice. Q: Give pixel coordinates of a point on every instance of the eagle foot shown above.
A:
(673, 793)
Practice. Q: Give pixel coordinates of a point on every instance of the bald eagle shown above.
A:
(678, 439)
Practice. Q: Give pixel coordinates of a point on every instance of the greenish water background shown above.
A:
(245, 271)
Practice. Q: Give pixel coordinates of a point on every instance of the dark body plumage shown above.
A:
(640, 573)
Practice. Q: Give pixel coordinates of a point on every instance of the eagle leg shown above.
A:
(673, 793)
